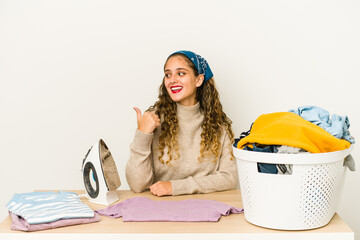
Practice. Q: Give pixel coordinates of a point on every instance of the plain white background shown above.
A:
(71, 72)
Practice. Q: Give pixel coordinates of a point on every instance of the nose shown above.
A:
(173, 79)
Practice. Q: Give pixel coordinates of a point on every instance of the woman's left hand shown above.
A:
(161, 189)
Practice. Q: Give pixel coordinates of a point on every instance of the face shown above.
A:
(180, 81)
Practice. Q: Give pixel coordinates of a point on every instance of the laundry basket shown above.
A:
(306, 199)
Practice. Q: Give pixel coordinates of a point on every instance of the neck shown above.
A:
(188, 112)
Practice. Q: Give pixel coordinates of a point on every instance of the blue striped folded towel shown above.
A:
(44, 207)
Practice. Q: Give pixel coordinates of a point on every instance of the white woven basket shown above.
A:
(306, 199)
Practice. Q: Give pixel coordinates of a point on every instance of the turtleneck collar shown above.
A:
(188, 112)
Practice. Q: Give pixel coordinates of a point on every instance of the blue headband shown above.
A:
(200, 63)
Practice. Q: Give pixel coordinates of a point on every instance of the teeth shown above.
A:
(176, 88)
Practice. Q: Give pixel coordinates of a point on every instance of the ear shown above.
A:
(199, 80)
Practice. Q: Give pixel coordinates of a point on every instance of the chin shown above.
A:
(175, 98)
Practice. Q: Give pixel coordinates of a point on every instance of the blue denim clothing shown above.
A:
(263, 148)
(265, 167)
(338, 126)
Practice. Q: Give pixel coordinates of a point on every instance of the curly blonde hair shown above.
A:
(215, 120)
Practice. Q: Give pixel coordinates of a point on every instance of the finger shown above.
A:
(154, 192)
(152, 116)
(152, 189)
(138, 113)
(158, 193)
(156, 120)
(154, 185)
(156, 117)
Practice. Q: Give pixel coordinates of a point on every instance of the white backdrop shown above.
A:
(71, 72)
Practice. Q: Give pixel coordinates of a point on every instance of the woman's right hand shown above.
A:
(147, 122)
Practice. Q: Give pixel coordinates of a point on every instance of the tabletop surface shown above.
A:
(234, 223)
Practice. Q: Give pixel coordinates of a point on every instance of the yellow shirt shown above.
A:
(286, 128)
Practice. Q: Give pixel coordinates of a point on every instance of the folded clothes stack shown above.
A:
(36, 211)
(305, 129)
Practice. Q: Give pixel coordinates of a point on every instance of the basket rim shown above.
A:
(301, 158)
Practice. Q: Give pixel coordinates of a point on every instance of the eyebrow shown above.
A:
(178, 69)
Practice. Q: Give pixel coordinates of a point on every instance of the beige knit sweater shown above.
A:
(186, 174)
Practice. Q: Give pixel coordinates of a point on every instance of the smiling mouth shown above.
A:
(176, 89)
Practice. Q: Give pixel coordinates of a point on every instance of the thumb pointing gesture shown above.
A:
(147, 122)
(138, 113)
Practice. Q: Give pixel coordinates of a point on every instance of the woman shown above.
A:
(183, 143)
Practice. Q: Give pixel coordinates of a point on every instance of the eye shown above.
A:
(181, 73)
(167, 75)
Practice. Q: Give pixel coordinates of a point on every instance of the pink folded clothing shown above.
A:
(19, 223)
(142, 209)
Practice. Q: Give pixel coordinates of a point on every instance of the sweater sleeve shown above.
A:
(139, 170)
(224, 178)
